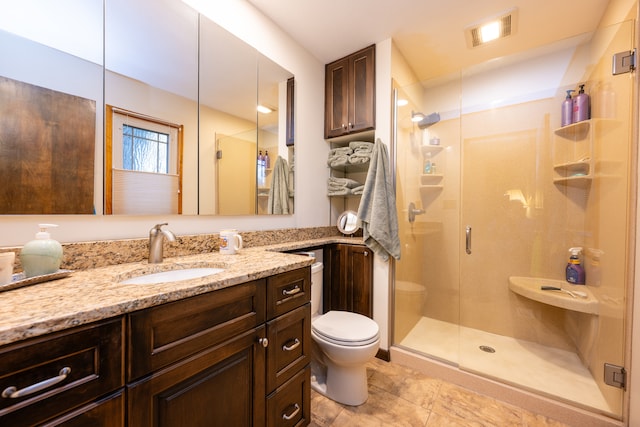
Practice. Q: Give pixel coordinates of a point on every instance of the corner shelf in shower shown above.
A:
(431, 181)
(573, 155)
(529, 287)
(433, 149)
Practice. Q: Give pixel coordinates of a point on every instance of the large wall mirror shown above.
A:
(169, 124)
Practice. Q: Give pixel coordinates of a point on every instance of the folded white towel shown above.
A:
(361, 146)
(335, 182)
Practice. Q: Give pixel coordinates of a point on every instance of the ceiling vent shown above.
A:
(497, 27)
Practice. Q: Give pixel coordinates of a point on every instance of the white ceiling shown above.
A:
(428, 33)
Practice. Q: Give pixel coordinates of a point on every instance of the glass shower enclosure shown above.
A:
(492, 192)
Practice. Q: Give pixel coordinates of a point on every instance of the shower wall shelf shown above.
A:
(431, 180)
(433, 149)
(530, 287)
(573, 154)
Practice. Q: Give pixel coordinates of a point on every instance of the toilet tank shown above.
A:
(317, 281)
(316, 288)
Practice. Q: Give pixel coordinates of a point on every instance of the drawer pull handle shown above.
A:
(13, 393)
(296, 344)
(293, 291)
(296, 409)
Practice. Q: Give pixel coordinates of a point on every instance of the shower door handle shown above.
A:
(468, 239)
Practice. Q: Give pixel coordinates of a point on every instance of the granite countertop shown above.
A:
(90, 295)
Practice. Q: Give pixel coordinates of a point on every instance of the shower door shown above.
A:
(511, 193)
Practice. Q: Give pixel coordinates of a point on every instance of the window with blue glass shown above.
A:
(145, 150)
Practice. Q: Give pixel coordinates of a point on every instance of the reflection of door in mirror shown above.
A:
(236, 174)
(143, 164)
(47, 141)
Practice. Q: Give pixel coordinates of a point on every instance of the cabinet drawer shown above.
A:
(72, 368)
(170, 332)
(107, 412)
(287, 291)
(289, 345)
(290, 405)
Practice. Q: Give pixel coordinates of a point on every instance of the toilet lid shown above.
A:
(346, 328)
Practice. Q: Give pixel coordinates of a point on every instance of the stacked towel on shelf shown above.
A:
(339, 157)
(341, 186)
(361, 152)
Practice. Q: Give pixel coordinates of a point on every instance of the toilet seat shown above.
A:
(345, 328)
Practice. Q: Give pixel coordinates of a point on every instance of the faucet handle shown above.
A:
(158, 227)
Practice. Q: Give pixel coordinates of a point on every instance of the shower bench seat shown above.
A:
(531, 287)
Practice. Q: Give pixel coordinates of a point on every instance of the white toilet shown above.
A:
(343, 343)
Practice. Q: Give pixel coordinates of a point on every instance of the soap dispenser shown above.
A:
(42, 255)
(575, 271)
(581, 106)
(567, 110)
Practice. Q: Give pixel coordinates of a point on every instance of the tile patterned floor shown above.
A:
(399, 396)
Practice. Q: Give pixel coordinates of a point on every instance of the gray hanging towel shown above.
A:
(377, 210)
(278, 202)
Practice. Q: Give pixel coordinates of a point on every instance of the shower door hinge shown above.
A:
(615, 375)
(624, 62)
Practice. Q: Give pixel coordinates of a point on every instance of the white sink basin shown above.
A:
(171, 276)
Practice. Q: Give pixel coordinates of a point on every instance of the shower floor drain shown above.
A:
(487, 349)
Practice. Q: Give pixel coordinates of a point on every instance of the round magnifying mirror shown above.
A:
(348, 222)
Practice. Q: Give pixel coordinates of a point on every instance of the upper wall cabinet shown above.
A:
(350, 94)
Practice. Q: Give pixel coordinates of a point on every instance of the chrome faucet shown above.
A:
(156, 238)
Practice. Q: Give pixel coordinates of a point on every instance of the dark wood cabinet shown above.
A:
(348, 279)
(216, 359)
(238, 356)
(291, 118)
(350, 94)
(62, 378)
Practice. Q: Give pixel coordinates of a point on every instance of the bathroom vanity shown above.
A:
(228, 349)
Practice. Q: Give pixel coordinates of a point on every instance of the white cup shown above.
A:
(6, 267)
(230, 242)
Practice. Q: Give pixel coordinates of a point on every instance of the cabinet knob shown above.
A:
(344, 126)
(366, 253)
(264, 342)
(351, 125)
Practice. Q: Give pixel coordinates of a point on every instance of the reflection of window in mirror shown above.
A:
(143, 164)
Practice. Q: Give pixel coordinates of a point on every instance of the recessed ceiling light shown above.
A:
(496, 27)
(402, 102)
(264, 109)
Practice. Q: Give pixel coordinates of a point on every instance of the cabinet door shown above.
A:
(359, 278)
(219, 387)
(349, 279)
(291, 116)
(362, 90)
(336, 98)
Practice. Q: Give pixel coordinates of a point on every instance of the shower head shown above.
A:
(424, 121)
